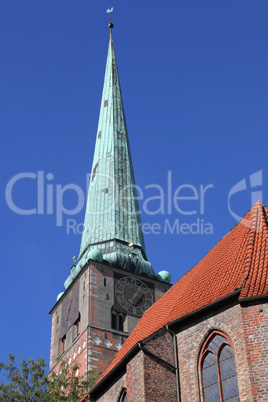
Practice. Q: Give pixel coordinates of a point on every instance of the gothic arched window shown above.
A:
(217, 364)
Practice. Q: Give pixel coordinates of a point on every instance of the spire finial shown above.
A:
(109, 11)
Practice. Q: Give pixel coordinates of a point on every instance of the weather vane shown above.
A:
(109, 11)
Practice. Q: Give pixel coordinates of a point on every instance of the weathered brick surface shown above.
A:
(135, 379)
(161, 344)
(102, 347)
(115, 390)
(190, 341)
(255, 324)
(147, 378)
(77, 353)
(160, 382)
(71, 347)
(96, 300)
(245, 326)
(54, 339)
(159, 379)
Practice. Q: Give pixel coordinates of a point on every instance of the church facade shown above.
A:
(206, 339)
(203, 339)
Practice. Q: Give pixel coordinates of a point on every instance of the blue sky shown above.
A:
(194, 82)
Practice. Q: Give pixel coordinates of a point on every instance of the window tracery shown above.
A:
(218, 371)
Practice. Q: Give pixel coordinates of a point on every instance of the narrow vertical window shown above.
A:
(217, 363)
(114, 316)
(121, 319)
(118, 321)
(76, 328)
(62, 344)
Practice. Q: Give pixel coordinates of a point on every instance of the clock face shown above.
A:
(133, 295)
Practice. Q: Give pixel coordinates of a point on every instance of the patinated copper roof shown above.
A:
(112, 221)
(112, 170)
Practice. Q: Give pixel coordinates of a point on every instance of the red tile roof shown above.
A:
(239, 260)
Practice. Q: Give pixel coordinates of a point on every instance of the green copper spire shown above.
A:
(112, 221)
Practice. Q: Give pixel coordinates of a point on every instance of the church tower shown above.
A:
(113, 282)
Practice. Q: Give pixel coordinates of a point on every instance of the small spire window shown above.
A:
(76, 328)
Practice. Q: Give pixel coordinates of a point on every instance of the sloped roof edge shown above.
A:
(137, 347)
(237, 266)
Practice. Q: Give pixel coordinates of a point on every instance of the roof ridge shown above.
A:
(258, 224)
(250, 245)
(264, 218)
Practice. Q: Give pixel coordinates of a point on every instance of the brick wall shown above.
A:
(161, 344)
(246, 327)
(100, 342)
(147, 378)
(77, 353)
(113, 394)
(102, 348)
(255, 324)
(83, 283)
(135, 379)
(160, 382)
(190, 341)
(54, 346)
(159, 379)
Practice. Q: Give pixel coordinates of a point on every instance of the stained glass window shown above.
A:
(218, 370)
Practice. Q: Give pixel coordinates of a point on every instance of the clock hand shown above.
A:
(135, 294)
